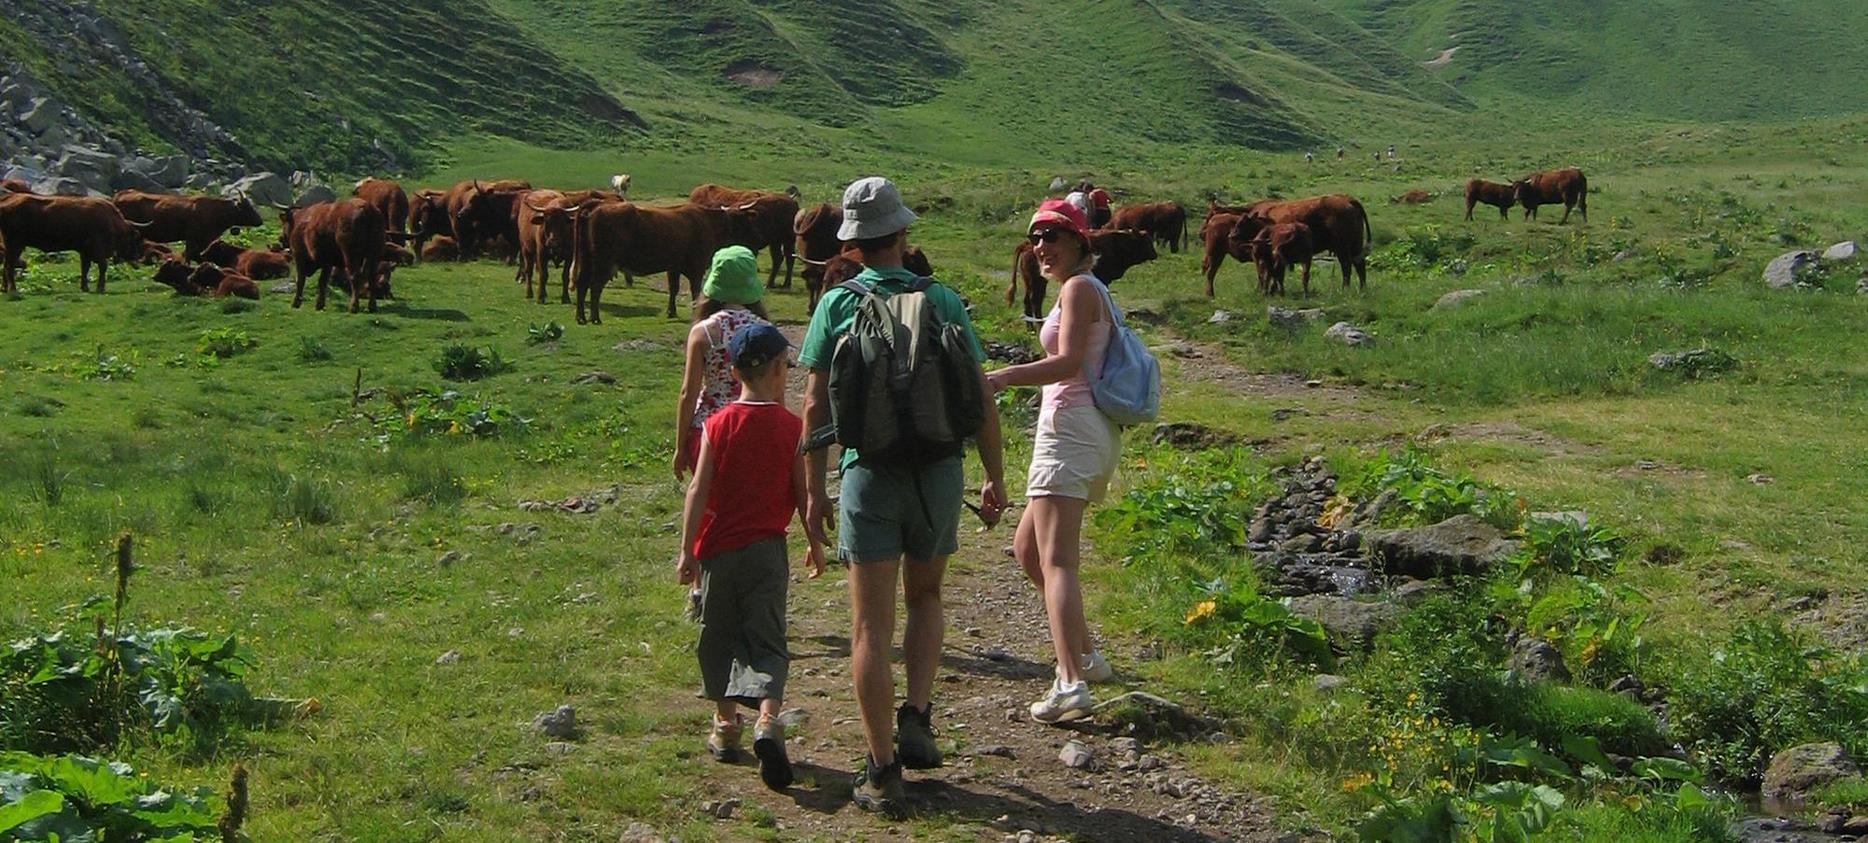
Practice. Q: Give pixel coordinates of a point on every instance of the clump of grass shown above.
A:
(38, 406)
(222, 343)
(302, 500)
(432, 480)
(312, 350)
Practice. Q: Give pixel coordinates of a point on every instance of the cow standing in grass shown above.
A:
(389, 198)
(1117, 251)
(623, 236)
(1277, 248)
(345, 236)
(93, 228)
(1167, 221)
(195, 220)
(1480, 191)
(428, 218)
(774, 215)
(1567, 187)
(479, 212)
(1338, 224)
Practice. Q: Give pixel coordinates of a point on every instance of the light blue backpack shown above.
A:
(1129, 389)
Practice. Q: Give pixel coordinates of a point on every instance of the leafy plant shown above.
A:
(467, 363)
(1257, 631)
(548, 332)
(1428, 495)
(1566, 545)
(1768, 688)
(76, 798)
(110, 367)
(222, 343)
(1179, 516)
(448, 414)
(1596, 627)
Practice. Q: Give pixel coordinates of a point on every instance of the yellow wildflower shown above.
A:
(1202, 609)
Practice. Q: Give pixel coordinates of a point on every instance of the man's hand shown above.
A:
(991, 502)
(820, 517)
(687, 569)
(682, 464)
(815, 557)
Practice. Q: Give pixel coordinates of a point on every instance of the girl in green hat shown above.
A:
(729, 301)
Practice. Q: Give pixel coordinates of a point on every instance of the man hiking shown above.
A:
(902, 467)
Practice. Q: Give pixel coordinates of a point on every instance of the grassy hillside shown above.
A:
(1680, 59)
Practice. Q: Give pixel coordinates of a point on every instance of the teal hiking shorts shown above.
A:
(889, 511)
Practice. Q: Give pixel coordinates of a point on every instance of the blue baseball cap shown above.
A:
(751, 346)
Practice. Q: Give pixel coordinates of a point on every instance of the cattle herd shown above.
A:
(590, 235)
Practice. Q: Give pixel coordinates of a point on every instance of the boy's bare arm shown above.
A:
(815, 555)
(687, 570)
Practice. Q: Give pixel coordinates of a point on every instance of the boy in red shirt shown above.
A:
(747, 484)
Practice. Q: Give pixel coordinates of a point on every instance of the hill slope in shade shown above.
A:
(359, 84)
(1675, 59)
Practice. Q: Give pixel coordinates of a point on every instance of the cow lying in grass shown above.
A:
(205, 280)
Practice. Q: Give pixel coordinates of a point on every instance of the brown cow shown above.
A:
(775, 215)
(1567, 186)
(14, 186)
(844, 266)
(816, 231)
(389, 198)
(1117, 251)
(641, 240)
(1275, 249)
(1167, 221)
(219, 283)
(480, 211)
(93, 228)
(1216, 234)
(258, 264)
(1490, 193)
(195, 220)
(1338, 224)
(428, 217)
(398, 255)
(1416, 196)
(544, 222)
(346, 235)
(441, 248)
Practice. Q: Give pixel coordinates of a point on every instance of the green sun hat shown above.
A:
(734, 277)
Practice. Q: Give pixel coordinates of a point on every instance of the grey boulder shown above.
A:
(1462, 544)
(1349, 334)
(263, 188)
(1797, 771)
(1843, 251)
(1790, 268)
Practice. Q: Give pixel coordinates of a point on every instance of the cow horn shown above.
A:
(139, 224)
(528, 204)
(279, 206)
(748, 206)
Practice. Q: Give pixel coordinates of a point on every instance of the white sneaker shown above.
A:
(1096, 669)
(1064, 703)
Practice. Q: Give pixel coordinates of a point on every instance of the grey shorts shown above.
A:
(887, 512)
(742, 642)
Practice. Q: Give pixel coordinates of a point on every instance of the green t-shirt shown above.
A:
(837, 309)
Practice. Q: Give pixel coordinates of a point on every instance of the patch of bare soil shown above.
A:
(1839, 620)
(1509, 432)
(1206, 362)
(1443, 59)
(754, 74)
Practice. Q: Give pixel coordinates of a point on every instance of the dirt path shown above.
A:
(1002, 774)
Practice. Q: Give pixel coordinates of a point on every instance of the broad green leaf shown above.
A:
(1668, 769)
(33, 806)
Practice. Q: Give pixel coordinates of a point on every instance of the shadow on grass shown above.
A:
(632, 310)
(442, 314)
(826, 790)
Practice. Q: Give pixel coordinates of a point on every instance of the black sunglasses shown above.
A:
(1048, 235)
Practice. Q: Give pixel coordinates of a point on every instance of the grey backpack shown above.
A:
(904, 387)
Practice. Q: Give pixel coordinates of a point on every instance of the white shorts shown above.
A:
(1074, 455)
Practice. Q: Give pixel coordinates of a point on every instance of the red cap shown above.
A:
(1062, 214)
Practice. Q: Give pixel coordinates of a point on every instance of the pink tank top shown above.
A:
(1074, 391)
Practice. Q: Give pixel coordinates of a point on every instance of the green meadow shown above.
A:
(317, 486)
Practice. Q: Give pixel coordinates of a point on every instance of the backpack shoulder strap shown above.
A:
(857, 287)
(1109, 301)
(920, 284)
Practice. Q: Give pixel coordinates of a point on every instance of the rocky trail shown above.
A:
(1005, 777)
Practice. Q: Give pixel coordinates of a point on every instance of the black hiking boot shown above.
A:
(914, 738)
(879, 789)
(768, 743)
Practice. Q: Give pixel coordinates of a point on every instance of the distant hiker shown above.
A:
(1391, 150)
(1080, 197)
(1073, 456)
(903, 472)
(1339, 153)
(748, 483)
(1309, 157)
(1099, 207)
(730, 300)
